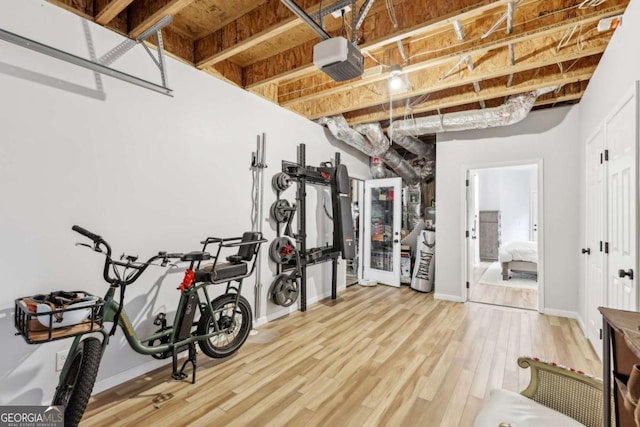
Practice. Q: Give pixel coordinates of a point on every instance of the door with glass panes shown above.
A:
(383, 219)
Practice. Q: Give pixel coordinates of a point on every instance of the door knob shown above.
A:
(622, 273)
(586, 251)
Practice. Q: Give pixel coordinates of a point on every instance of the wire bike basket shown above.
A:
(49, 317)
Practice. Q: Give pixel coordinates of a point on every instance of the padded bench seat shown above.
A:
(223, 271)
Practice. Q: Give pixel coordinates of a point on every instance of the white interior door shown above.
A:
(621, 141)
(472, 225)
(381, 235)
(595, 275)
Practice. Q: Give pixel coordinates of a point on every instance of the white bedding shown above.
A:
(519, 251)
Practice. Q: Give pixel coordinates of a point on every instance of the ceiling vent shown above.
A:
(338, 58)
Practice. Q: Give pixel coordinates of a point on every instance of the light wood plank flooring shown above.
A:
(377, 356)
(501, 295)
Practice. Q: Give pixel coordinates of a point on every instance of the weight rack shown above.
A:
(303, 175)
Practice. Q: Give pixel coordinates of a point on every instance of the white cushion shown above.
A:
(505, 406)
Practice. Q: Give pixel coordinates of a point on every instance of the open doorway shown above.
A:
(502, 251)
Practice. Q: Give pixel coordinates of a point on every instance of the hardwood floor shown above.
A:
(377, 356)
(501, 295)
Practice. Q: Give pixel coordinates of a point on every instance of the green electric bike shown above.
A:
(220, 326)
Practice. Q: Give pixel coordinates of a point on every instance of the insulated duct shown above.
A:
(511, 112)
(414, 145)
(375, 144)
(375, 135)
(339, 128)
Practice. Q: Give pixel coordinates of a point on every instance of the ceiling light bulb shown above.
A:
(395, 83)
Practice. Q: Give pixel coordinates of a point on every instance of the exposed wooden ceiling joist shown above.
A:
(538, 52)
(107, 10)
(536, 78)
(261, 46)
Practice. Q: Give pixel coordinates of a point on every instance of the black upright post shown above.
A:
(334, 260)
(302, 225)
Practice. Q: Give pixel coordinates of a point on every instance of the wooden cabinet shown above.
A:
(621, 350)
(489, 235)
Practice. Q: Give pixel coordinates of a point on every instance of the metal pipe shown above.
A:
(293, 6)
(81, 62)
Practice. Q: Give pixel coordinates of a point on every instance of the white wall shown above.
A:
(146, 171)
(549, 135)
(617, 72)
(508, 190)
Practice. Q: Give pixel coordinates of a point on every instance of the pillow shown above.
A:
(505, 406)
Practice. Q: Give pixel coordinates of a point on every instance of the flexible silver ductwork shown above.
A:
(415, 146)
(400, 166)
(375, 135)
(339, 128)
(376, 144)
(511, 112)
(404, 132)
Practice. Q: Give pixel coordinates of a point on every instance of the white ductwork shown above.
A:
(375, 135)
(511, 112)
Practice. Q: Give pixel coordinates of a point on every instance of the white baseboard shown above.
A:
(583, 327)
(445, 297)
(561, 313)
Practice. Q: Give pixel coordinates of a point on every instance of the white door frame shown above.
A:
(463, 222)
(595, 251)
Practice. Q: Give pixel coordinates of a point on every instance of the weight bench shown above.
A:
(237, 266)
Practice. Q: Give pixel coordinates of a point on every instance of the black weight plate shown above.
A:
(279, 210)
(280, 181)
(281, 250)
(285, 290)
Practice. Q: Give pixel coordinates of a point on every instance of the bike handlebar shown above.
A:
(96, 239)
(140, 267)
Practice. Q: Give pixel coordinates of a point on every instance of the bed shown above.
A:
(519, 256)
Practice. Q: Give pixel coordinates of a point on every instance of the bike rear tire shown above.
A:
(75, 387)
(240, 323)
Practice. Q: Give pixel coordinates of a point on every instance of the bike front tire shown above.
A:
(74, 389)
(227, 315)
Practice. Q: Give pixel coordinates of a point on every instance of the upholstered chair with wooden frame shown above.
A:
(556, 395)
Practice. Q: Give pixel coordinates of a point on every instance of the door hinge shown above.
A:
(467, 285)
(466, 182)
(600, 333)
(606, 155)
(601, 158)
(600, 245)
(606, 247)
(466, 233)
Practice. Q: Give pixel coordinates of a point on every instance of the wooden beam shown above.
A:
(108, 10)
(227, 71)
(442, 47)
(569, 92)
(534, 53)
(83, 8)
(145, 13)
(526, 81)
(268, 92)
(266, 21)
(416, 20)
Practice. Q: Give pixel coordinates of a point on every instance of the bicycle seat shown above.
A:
(196, 256)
